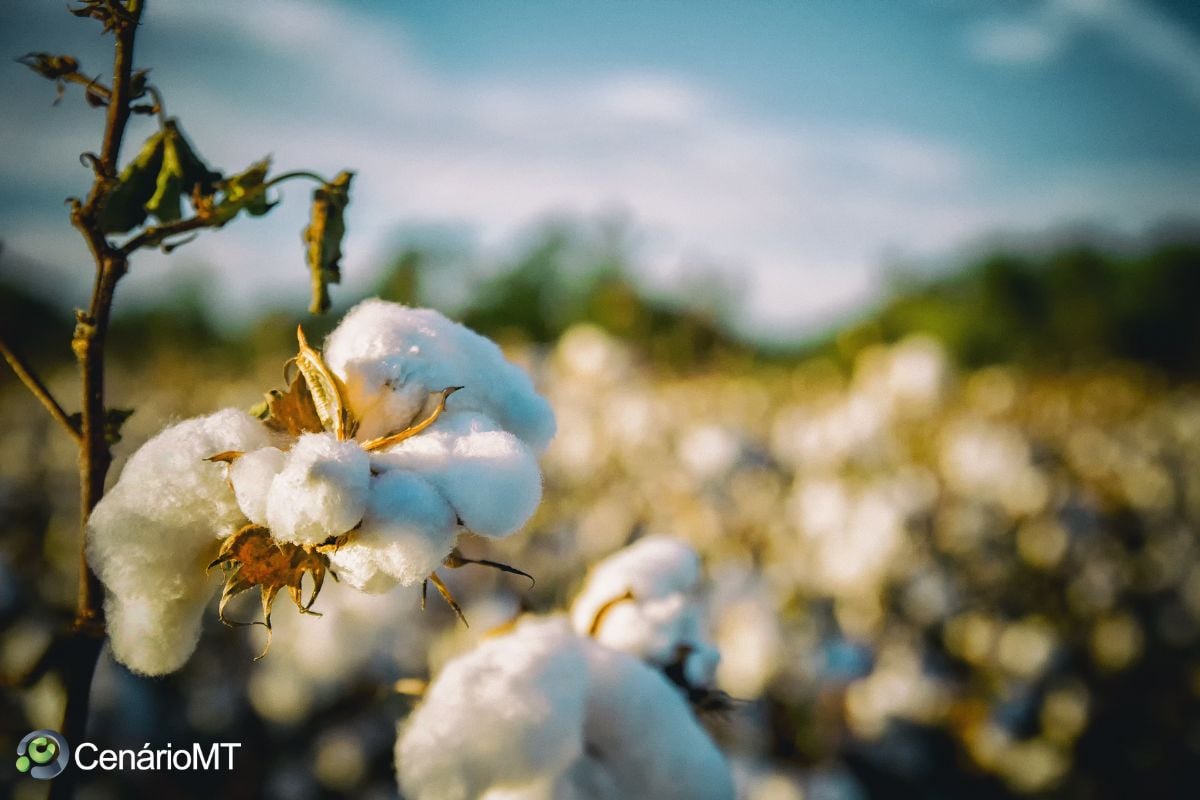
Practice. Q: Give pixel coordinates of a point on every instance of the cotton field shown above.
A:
(908, 575)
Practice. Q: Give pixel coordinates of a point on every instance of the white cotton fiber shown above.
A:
(544, 714)
(509, 713)
(251, 476)
(653, 567)
(407, 530)
(151, 536)
(641, 738)
(663, 620)
(321, 490)
(155, 636)
(490, 477)
(392, 358)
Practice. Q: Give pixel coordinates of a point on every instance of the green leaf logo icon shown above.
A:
(42, 754)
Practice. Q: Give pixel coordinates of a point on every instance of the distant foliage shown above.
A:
(1074, 307)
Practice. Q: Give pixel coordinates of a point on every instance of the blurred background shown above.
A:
(889, 308)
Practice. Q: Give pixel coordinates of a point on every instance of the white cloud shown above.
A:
(1047, 29)
(1015, 41)
(804, 213)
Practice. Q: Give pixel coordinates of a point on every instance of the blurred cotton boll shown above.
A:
(544, 713)
(642, 600)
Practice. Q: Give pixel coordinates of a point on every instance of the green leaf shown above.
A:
(197, 177)
(183, 173)
(323, 237)
(164, 203)
(244, 191)
(124, 209)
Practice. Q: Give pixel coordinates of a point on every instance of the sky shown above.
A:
(800, 149)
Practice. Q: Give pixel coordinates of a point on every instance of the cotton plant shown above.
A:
(407, 430)
(597, 704)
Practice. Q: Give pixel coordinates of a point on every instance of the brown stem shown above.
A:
(158, 233)
(39, 390)
(91, 331)
(91, 84)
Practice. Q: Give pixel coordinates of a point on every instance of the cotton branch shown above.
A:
(39, 389)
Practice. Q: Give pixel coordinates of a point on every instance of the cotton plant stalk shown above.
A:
(161, 198)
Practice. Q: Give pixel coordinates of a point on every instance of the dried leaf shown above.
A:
(226, 457)
(114, 420)
(292, 412)
(137, 83)
(107, 12)
(48, 65)
(94, 98)
(323, 238)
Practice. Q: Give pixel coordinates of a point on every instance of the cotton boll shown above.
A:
(662, 615)
(251, 476)
(653, 567)
(540, 789)
(153, 635)
(321, 491)
(641, 738)
(152, 534)
(490, 477)
(406, 532)
(652, 630)
(543, 714)
(392, 357)
(507, 714)
(176, 455)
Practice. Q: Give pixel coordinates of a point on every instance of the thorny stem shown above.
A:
(39, 390)
(88, 343)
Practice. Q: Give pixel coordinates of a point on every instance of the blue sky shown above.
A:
(802, 147)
